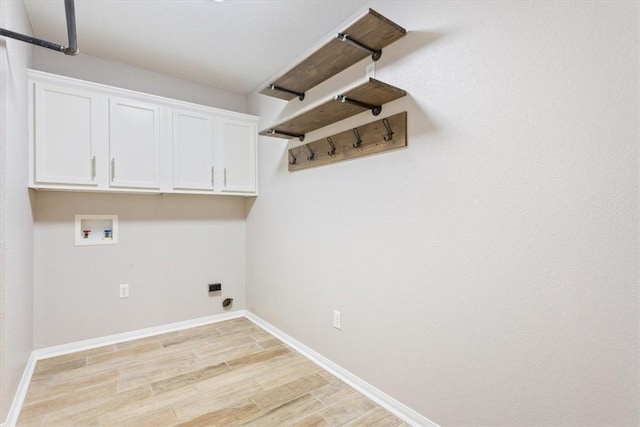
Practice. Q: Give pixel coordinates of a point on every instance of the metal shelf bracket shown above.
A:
(375, 54)
(375, 109)
(300, 95)
(72, 49)
(279, 132)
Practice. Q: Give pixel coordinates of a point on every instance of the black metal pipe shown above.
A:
(375, 54)
(375, 109)
(70, 11)
(71, 33)
(291, 135)
(300, 95)
(32, 40)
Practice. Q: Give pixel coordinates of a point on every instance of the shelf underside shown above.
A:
(372, 92)
(372, 30)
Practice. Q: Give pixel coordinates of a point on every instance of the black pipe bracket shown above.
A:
(300, 95)
(375, 53)
(291, 135)
(72, 49)
(375, 109)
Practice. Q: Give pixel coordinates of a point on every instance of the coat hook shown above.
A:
(389, 135)
(358, 139)
(333, 148)
(292, 162)
(311, 155)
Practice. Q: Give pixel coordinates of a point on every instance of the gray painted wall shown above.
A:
(488, 274)
(170, 247)
(16, 221)
(118, 74)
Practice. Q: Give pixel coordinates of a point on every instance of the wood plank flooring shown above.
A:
(223, 374)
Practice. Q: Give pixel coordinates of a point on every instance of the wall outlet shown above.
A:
(124, 291)
(337, 322)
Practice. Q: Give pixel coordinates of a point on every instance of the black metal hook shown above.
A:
(311, 155)
(294, 161)
(389, 135)
(333, 148)
(358, 139)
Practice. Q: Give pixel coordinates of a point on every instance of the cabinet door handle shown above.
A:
(212, 177)
(93, 168)
(225, 177)
(113, 169)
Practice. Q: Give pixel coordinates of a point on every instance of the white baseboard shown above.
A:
(398, 409)
(21, 393)
(45, 353)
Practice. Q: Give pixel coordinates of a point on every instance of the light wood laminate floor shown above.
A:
(223, 374)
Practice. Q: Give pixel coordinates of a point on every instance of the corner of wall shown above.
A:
(16, 223)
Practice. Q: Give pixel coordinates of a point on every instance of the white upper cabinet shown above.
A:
(193, 150)
(238, 154)
(90, 137)
(67, 130)
(134, 143)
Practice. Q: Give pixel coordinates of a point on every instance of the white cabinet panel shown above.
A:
(87, 136)
(193, 144)
(239, 154)
(65, 135)
(134, 143)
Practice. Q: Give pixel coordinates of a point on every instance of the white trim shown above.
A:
(81, 189)
(389, 403)
(59, 350)
(3, 192)
(21, 393)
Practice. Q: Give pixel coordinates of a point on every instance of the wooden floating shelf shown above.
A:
(377, 136)
(372, 32)
(374, 93)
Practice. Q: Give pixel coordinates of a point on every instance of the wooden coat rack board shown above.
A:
(389, 133)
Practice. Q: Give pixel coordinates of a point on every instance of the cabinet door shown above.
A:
(134, 143)
(65, 137)
(193, 150)
(239, 152)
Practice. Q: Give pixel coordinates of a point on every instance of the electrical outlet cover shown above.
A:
(337, 321)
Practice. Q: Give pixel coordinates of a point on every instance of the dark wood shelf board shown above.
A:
(372, 92)
(372, 30)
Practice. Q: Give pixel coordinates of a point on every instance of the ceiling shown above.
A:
(233, 45)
